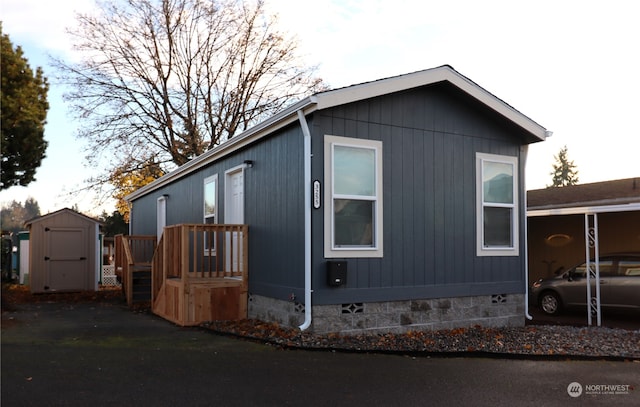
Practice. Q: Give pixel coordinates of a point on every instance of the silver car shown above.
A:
(619, 285)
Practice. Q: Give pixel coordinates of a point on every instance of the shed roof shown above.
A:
(56, 213)
(350, 94)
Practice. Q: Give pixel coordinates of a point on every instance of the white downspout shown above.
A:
(307, 221)
(526, 243)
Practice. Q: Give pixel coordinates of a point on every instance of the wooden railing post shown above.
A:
(184, 253)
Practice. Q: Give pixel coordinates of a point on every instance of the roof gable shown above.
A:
(443, 73)
(341, 96)
(58, 212)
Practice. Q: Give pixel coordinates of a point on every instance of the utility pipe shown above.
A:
(525, 151)
(307, 221)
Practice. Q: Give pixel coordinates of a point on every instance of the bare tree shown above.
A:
(166, 80)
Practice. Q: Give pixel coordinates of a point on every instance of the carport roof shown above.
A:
(608, 196)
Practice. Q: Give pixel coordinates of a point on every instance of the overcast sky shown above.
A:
(571, 66)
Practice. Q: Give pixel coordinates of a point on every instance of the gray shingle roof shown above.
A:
(616, 192)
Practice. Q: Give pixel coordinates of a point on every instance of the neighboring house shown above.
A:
(392, 205)
(557, 223)
(64, 252)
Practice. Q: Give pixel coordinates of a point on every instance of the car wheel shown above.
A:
(550, 303)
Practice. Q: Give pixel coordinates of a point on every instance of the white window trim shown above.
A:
(213, 178)
(481, 250)
(337, 252)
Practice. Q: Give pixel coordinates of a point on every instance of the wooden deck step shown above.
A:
(141, 283)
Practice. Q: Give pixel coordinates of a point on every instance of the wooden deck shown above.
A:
(199, 273)
(133, 255)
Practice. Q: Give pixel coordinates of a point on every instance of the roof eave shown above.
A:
(268, 126)
(430, 76)
(582, 210)
(343, 96)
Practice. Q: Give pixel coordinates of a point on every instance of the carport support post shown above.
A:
(593, 270)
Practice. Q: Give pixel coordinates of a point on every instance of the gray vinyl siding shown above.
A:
(430, 138)
(273, 209)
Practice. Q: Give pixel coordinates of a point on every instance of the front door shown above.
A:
(161, 216)
(66, 259)
(234, 211)
(234, 215)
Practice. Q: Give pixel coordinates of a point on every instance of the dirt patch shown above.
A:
(20, 294)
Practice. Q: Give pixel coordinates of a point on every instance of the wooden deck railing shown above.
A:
(198, 258)
(132, 252)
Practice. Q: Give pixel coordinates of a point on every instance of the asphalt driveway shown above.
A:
(61, 354)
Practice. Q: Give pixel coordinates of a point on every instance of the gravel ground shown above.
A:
(556, 342)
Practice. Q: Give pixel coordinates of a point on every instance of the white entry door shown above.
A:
(234, 197)
(161, 216)
(234, 215)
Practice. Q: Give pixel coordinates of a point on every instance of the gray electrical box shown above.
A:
(336, 273)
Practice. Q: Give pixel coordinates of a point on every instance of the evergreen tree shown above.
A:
(114, 224)
(23, 97)
(564, 171)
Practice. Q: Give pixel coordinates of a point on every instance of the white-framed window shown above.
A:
(210, 210)
(353, 201)
(497, 215)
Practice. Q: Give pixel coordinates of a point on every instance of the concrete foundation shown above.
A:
(395, 316)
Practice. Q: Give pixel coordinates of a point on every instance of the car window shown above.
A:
(629, 268)
(606, 268)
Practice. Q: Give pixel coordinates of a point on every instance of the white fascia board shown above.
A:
(260, 130)
(427, 77)
(584, 210)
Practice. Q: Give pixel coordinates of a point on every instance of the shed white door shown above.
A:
(66, 259)
(234, 214)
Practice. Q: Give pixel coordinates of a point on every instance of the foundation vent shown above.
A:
(353, 308)
(499, 298)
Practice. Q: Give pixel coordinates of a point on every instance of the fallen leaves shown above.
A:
(13, 294)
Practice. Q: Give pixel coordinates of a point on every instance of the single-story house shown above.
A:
(392, 205)
(64, 252)
(557, 223)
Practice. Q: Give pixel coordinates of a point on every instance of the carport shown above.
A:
(569, 225)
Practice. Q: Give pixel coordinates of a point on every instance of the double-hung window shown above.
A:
(210, 210)
(353, 202)
(497, 205)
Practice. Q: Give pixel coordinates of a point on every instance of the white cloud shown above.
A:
(42, 23)
(570, 65)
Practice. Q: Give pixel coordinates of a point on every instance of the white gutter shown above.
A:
(307, 221)
(526, 243)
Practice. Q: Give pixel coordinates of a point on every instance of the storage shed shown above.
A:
(64, 252)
